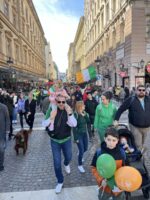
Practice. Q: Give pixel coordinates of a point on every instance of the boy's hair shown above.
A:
(112, 131)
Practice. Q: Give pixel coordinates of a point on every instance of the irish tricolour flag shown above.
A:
(86, 75)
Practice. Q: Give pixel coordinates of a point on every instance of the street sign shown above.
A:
(122, 74)
(148, 67)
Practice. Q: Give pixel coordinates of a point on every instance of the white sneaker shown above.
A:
(67, 169)
(81, 169)
(58, 188)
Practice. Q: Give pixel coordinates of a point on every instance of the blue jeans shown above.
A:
(66, 148)
(14, 114)
(82, 146)
(2, 150)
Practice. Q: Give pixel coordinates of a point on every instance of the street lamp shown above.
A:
(98, 61)
(13, 72)
(142, 63)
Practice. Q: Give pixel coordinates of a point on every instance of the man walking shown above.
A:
(4, 128)
(60, 134)
(139, 116)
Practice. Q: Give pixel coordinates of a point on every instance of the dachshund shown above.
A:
(21, 141)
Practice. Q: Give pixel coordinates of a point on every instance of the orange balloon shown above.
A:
(128, 178)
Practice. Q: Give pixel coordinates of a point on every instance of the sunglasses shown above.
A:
(141, 90)
(63, 102)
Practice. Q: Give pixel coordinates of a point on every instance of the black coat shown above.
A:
(138, 116)
(30, 107)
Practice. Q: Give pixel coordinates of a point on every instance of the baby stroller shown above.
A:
(135, 160)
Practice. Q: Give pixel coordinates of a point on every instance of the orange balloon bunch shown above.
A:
(128, 179)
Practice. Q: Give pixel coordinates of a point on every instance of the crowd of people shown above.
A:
(83, 113)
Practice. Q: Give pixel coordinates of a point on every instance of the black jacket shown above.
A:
(117, 153)
(30, 107)
(61, 129)
(138, 116)
(90, 106)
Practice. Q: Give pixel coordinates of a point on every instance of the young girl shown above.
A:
(55, 90)
(80, 132)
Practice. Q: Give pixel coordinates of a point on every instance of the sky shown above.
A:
(59, 19)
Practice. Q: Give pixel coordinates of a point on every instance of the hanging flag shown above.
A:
(79, 77)
(92, 72)
(86, 75)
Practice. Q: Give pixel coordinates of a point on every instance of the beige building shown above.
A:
(117, 32)
(114, 35)
(71, 63)
(22, 43)
(50, 70)
(76, 58)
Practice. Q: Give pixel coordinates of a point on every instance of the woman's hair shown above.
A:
(112, 131)
(108, 95)
(78, 106)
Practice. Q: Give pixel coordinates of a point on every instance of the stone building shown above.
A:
(49, 63)
(117, 33)
(22, 43)
(117, 40)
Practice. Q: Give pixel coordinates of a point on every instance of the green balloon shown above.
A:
(106, 166)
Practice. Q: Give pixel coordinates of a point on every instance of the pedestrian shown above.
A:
(105, 113)
(21, 108)
(4, 128)
(78, 94)
(109, 146)
(30, 109)
(90, 108)
(139, 116)
(122, 94)
(80, 132)
(60, 135)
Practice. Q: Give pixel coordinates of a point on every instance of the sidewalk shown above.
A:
(75, 193)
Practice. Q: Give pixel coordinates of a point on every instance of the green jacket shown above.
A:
(104, 115)
(81, 127)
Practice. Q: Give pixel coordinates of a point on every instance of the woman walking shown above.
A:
(80, 132)
(21, 109)
(30, 108)
(105, 113)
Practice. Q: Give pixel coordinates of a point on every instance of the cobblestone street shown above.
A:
(34, 171)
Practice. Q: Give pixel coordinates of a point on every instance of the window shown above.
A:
(114, 6)
(14, 19)
(6, 8)
(17, 53)
(107, 43)
(8, 47)
(122, 35)
(114, 39)
(23, 27)
(33, 61)
(27, 14)
(1, 41)
(102, 21)
(107, 13)
(29, 58)
(98, 27)
(25, 56)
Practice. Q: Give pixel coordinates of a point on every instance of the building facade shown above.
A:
(22, 43)
(79, 46)
(117, 33)
(71, 63)
(49, 62)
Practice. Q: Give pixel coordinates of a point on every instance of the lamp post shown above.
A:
(98, 61)
(141, 65)
(13, 72)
